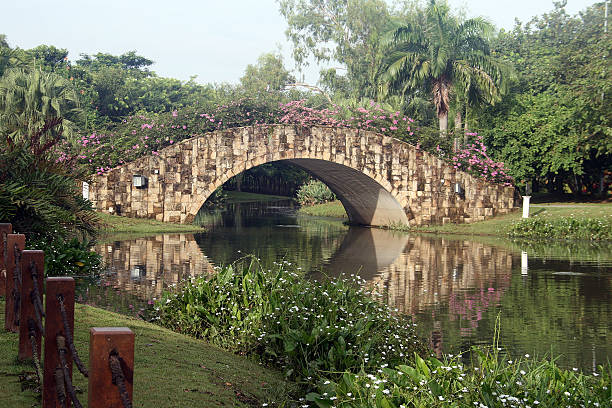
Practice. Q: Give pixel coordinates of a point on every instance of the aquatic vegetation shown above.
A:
(563, 227)
(490, 380)
(311, 330)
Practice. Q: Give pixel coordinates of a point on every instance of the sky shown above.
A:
(214, 40)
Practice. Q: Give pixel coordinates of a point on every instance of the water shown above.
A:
(548, 299)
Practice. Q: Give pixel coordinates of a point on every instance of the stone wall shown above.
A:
(380, 180)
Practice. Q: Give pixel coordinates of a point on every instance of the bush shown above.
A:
(69, 258)
(490, 380)
(310, 329)
(40, 196)
(314, 192)
(563, 227)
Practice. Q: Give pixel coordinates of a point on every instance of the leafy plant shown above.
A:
(69, 258)
(314, 192)
(39, 195)
(490, 379)
(310, 329)
(567, 227)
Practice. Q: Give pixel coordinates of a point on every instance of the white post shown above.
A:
(526, 206)
(524, 261)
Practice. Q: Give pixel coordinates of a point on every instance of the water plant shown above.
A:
(593, 229)
(489, 380)
(311, 330)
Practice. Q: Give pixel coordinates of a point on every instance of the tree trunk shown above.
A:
(466, 130)
(443, 117)
(457, 130)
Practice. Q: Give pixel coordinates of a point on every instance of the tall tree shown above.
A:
(437, 52)
(346, 32)
(28, 99)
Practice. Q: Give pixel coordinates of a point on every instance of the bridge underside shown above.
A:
(366, 202)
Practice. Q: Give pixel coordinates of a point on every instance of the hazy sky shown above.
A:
(214, 40)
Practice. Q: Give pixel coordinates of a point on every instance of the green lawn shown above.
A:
(114, 224)
(171, 370)
(331, 209)
(494, 226)
(244, 197)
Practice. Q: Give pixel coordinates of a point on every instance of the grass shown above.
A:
(114, 224)
(496, 226)
(171, 369)
(500, 225)
(244, 197)
(331, 209)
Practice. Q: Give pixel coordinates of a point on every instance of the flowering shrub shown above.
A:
(146, 134)
(489, 381)
(310, 329)
(474, 159)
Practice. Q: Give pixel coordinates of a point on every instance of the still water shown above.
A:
(548, 299)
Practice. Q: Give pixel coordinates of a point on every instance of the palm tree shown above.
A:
(437, 52)
(28, 99)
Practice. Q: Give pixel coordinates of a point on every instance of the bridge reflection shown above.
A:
(412, 273)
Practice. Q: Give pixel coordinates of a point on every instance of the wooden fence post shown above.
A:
(54, 326)
(104, 341)
(11, 313)
(5, 229)
(31, 261)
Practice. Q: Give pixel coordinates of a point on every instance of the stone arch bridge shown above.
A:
(380, 180)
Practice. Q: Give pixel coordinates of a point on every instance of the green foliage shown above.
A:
(28, 99)
(489, 380)
(435, 52)
(347, 32)
(39, 195)
(555, 126)
(314, 192)
(72, 257)
(566, 227)
(310, 329)
(268, 75)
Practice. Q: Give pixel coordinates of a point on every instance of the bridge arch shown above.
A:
(367, 198)
(380, 180)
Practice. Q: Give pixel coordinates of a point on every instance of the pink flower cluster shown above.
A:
(139, 135)
(475, 160)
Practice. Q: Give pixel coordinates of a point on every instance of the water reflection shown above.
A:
(456, 288)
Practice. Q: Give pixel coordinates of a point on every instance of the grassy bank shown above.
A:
(501, 225)
(114, 224)
(572, 221)
(171, 370)
(349, 351)
(244, 197)
(331, 209)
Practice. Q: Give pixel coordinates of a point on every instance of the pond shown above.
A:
(545, 299)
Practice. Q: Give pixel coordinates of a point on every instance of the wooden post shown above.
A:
(54, 326)
(5, 229)
(102, 341)
(27, 313)
(11, 321)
